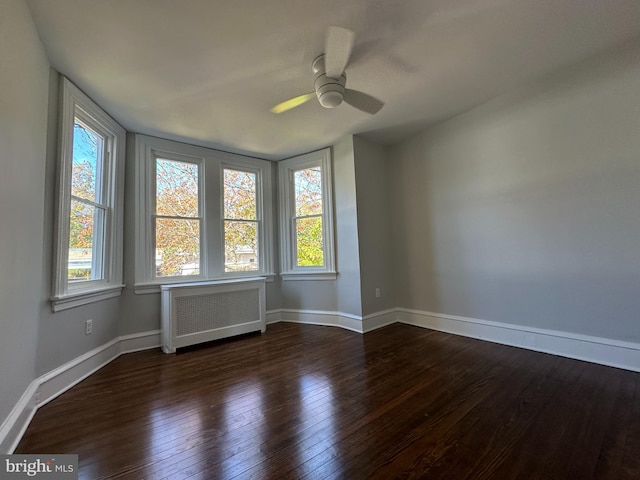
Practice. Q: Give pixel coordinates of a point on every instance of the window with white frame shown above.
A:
(201, 214)
(306, 217)
(177, 218)
(88, 257)
(241, 221)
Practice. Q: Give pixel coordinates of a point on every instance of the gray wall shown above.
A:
(527, 210)
(24, 84)
(374, 229)
(346, 225)
(342, 294)
(140, 313)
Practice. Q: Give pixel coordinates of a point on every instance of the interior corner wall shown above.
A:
(526, 210)
(23, 117)
(374, 229)
(346, 224)
(140, 313)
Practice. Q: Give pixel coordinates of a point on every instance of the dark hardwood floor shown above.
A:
(302, 401)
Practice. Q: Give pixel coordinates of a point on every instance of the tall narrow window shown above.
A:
(307, 185)
(177, 219)
(89, 206)
(306, 220)
(88, 259)
(241, 223)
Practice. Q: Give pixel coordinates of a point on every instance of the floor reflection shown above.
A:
(317, 428)
(217, 437)
(176, 428)
(244, 429)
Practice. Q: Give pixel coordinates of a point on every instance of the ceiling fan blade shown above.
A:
(362, 101)
(293, 102)
(337, 50)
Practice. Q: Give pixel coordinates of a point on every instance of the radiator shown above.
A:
(199, 312)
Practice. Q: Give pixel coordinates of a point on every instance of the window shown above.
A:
(201, 214)
(177, 219)
(306, 220)
(88, 258)
(241, 224)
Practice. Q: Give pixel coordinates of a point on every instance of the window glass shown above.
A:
(240, 221)
(307, 184)
(308, 191)
(309, 251)
(87, 163)
(176, 188)
(177, 222)
(85, 254)
(177, 247)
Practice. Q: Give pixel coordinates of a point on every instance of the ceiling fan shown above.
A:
(330, 77)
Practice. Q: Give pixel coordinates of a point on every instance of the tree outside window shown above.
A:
(240, 221)
(177, 219)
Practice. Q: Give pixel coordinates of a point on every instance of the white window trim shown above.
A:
(66, 294)
(289, 269)
(149, 254)
(212, 162)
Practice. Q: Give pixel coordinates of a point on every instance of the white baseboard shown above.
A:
(16, 423)
(273, 316)
(54, 383)
(381, 319)
(348, 321)
(614, 353)
(321, 317)
(137, 342)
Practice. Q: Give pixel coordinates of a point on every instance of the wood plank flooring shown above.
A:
(303, 401)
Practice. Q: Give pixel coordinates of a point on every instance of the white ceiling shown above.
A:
(207, 72)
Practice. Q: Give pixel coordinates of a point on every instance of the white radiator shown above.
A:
(200, 312)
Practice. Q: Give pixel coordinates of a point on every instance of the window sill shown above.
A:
(149, 288)
(76, 299)
(309, 276)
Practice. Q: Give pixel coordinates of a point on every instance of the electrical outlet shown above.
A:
(377, 292)
(88, 327)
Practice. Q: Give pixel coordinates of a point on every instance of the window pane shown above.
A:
(240, 246)
(239, 195)
(177, 247)
(309, 251)
(176, 188)
(308, 191)
(85, 247)
(86, 163)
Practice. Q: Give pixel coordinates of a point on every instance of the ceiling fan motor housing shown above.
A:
(330, 91)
